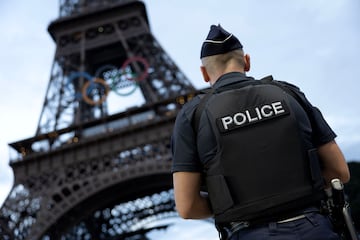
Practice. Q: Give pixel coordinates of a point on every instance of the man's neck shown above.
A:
(229, 69)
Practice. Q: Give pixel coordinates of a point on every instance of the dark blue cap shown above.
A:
(219, 41)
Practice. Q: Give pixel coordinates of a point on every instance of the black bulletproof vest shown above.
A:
(261, 167)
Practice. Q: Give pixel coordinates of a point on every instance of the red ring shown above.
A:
(141, 60)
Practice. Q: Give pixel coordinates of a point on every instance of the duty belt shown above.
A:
(226, 232)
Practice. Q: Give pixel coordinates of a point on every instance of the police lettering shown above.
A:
(253, 115)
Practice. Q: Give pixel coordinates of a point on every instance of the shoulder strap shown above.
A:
(270, 80)
(200, 108)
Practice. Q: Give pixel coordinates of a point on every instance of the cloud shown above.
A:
(347, 126)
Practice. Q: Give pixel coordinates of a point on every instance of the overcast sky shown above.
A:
(311, 43)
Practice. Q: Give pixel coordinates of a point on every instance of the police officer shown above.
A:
(263, 152)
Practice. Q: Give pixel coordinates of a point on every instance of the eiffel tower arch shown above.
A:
(91, 172)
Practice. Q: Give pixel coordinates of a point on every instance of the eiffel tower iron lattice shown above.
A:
(88, 173)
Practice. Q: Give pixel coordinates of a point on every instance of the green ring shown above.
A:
(114, 89)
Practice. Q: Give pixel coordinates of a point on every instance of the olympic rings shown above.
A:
(119, 78)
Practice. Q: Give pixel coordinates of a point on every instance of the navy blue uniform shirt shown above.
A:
(191, 152)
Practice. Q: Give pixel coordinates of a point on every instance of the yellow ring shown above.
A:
(102, 99)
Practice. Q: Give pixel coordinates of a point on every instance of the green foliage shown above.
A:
(352, 190)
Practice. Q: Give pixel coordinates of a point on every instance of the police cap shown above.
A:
(219, 41)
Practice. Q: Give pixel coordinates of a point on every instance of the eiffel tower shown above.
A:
(89, 172)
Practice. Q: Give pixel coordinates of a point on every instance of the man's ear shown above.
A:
(204, 74)
(247, 62)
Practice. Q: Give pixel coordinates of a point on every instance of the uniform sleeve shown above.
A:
(183, 144)
(322, 132)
